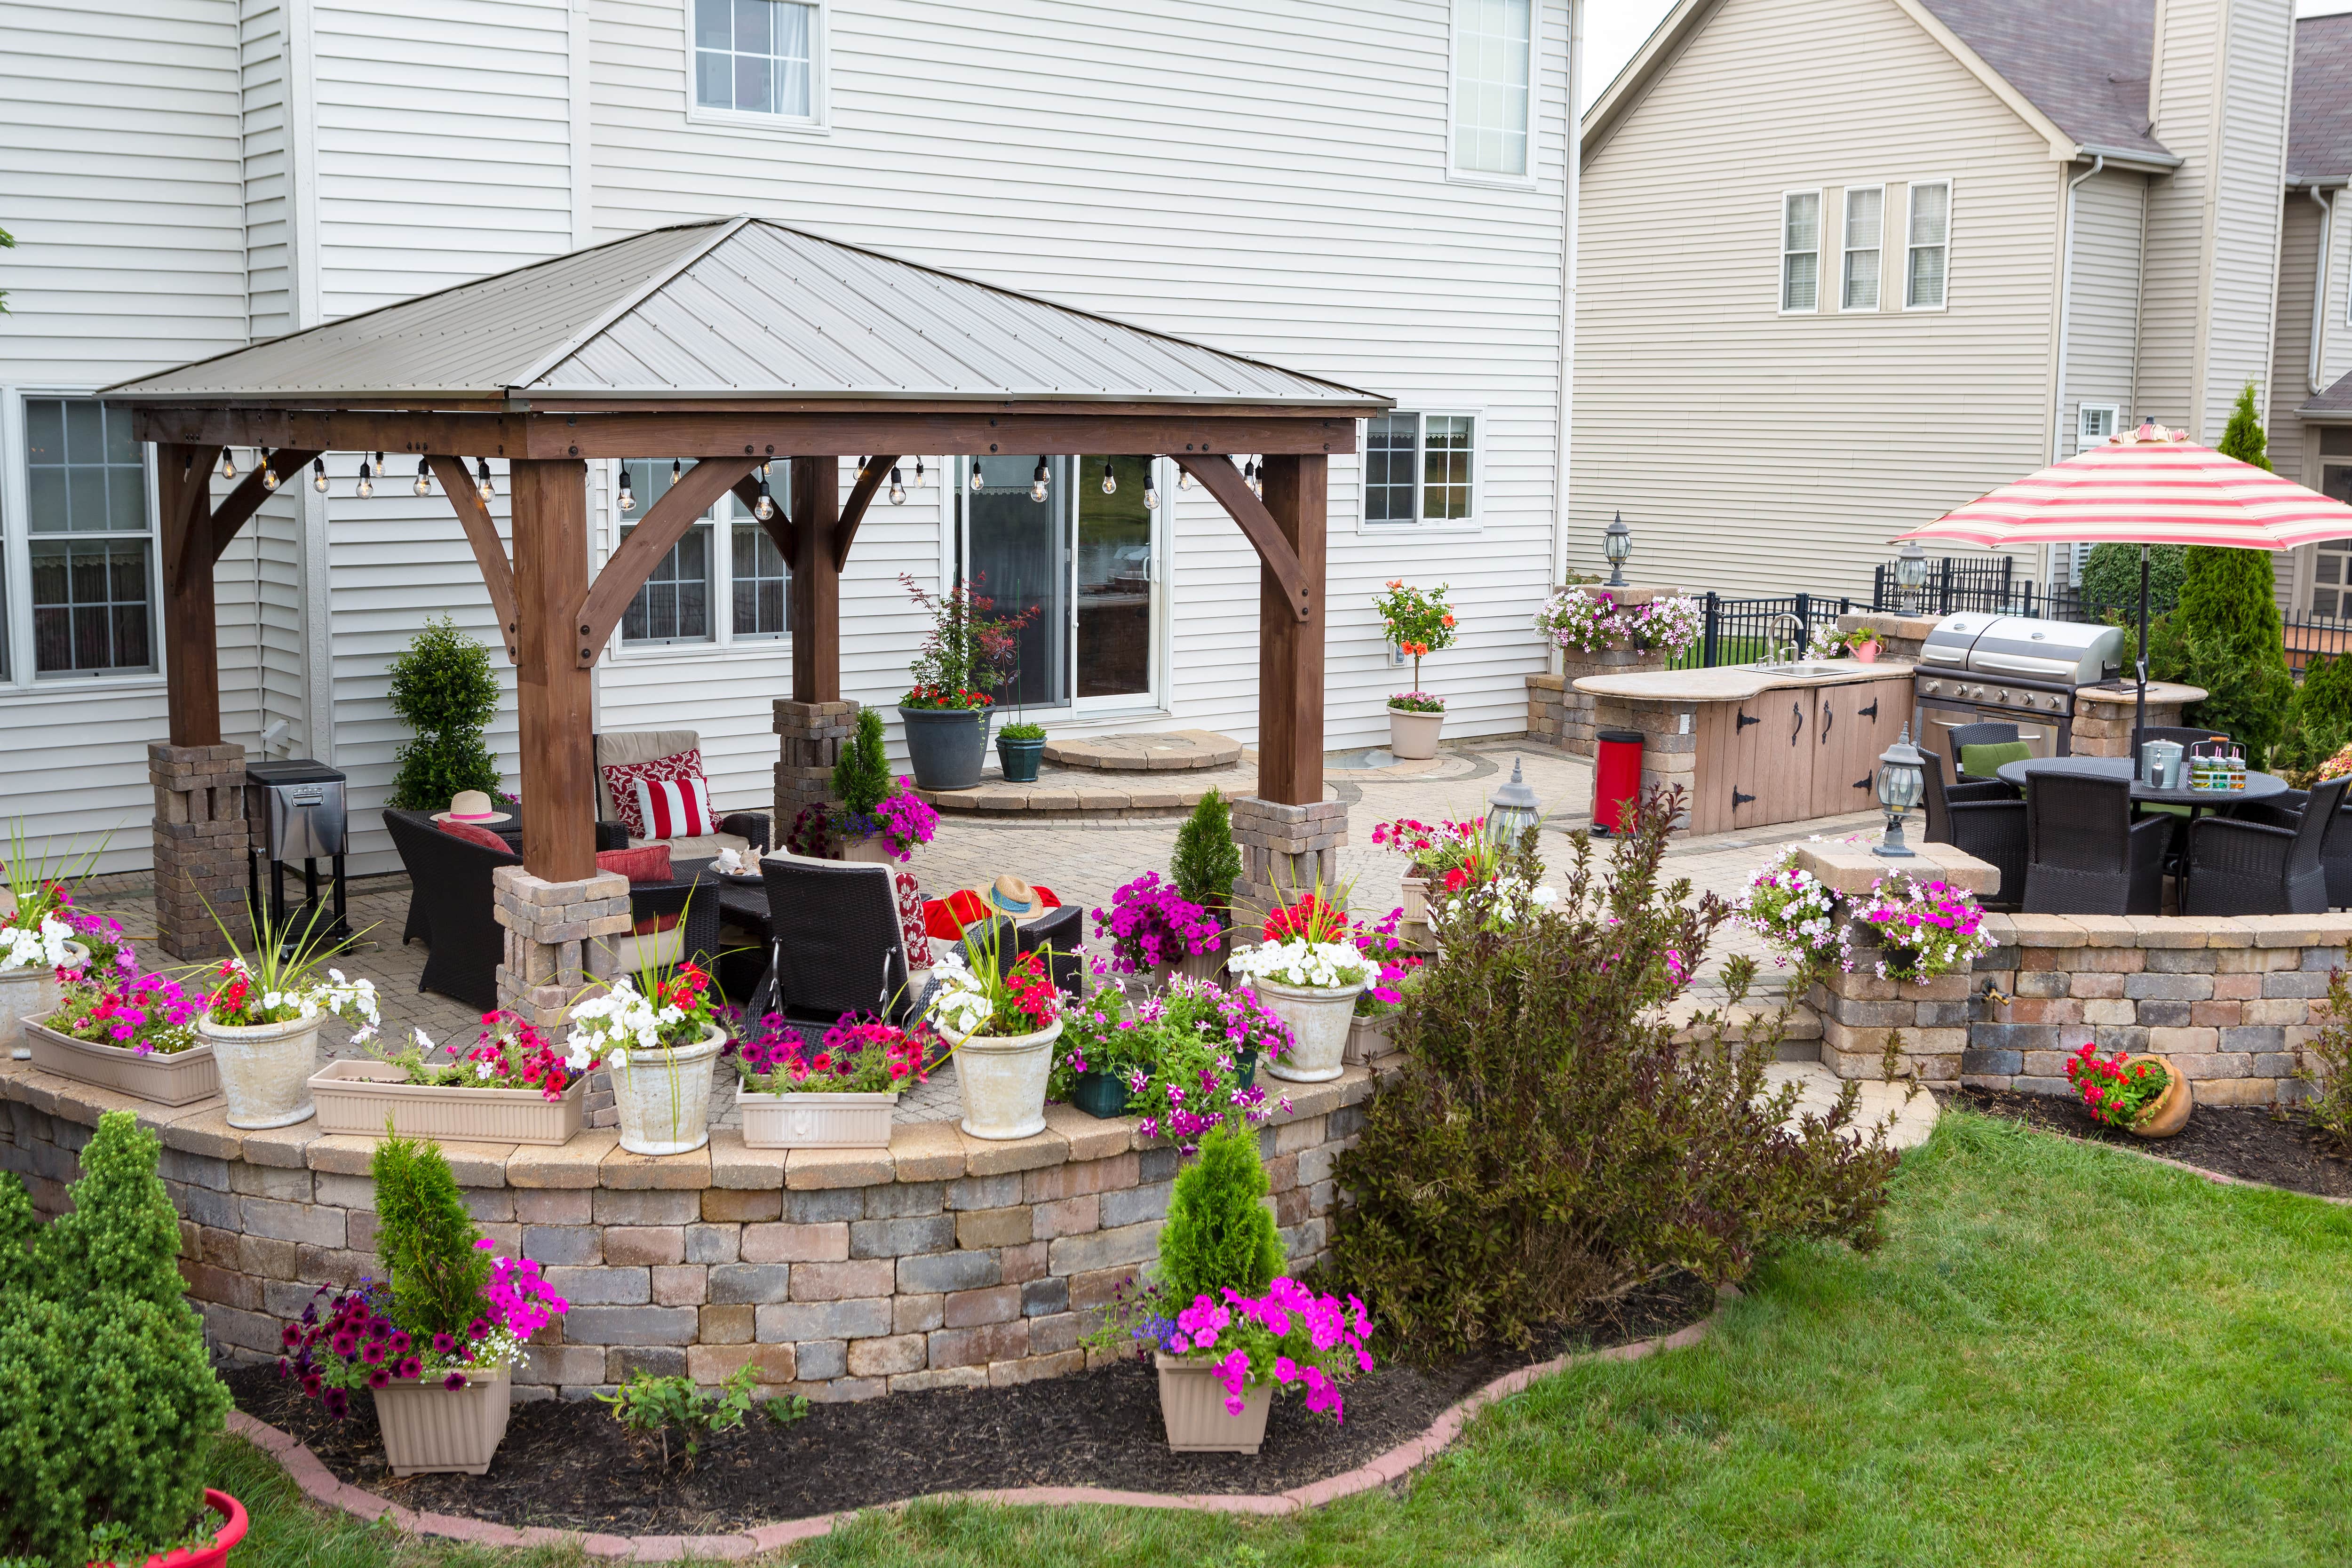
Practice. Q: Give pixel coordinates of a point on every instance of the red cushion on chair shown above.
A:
(647, 863)
(652, 924)
(475, 833)
(620, 784)
(676, 808)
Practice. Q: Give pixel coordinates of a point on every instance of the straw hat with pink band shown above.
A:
(474, 806)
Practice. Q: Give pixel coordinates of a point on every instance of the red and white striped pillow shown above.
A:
(676, 808)
(621, 780)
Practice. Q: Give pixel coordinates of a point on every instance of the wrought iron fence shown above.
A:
(1742, 631)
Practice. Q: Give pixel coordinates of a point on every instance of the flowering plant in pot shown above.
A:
(263, 1015)
(1925, 928)
(135, 1033)
(1018, 749)
(838, 1094)
(1001, 1019)
(1181, 1060)
(658, 1031)
(1417, 623)
(1152, 925)
(1309, 972)
(1205, 866)
(1672, 624)
(1446, 857)
(967, 652)
(1378, 1004)
(2140, 1094)
(509, 1084)
(877, 820)
(1580, 620)
(1795, 913)
(1415, 718)
(1862, 643)
(41, 939)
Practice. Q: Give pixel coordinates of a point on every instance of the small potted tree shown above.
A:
(840, 1095)
(658, 1033)
(1206, 865)
(1417, 623)
(965, 656)
(879, 821)
(1001, 1019)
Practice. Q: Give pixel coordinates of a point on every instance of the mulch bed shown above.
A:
(569, 1464)
(2254, 1145)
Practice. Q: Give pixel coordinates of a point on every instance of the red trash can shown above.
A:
(1616, 779)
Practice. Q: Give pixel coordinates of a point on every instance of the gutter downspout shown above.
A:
(2323, 288)
(2065, 328)
(1571, 195)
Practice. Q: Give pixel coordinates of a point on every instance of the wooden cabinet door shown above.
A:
(1846, 746)
(1739, 790)
(1787, 740)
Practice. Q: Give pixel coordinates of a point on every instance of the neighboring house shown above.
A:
(1846, 264)
(1377, 197)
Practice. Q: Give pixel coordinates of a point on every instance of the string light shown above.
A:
(268, 474)
(228, 462)
(628, 501)
(766, 508)
(1037, 481)
(319, 474)
(424, 486)
(1183, 478)
(975, 474)
(482, 485)
(922, 479)
(897, 489)
(676, 470)
(1110, 481)
(1151, 498)
(367, 478)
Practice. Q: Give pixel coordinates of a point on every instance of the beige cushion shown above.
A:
(696, 846)
(635, 746)
(617, 956)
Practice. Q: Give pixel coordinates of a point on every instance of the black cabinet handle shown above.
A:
(1743, 722)
(1829, 721)
(1797, 713)
(1738, 799)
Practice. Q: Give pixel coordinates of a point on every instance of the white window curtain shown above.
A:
(1931, 222)
(1800, 250)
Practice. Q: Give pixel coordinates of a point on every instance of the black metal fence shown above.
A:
(1742, 631)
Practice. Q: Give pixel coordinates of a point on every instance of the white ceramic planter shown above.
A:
(30, 993)
(1001, 1079)
(265, 1068)
(815, 1120)
(1412, 737)
(360, 1096)
(664, 1097)
(1192, 1407)
(1318, 1020)
(177, 1077)
(429, 1429)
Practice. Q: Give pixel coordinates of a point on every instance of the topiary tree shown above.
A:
(861, 774)
(427, 1239)
(109, 1406)
(2242, 438)
(442, 688)
(1207, 863)
(1219, 1233)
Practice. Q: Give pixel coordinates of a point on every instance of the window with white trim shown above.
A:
(2094, 424)
(725, 582)
(1421, 468)
(1800, 251)
(1865, 222)
(1928, 247)
(1494, 57)
(90, 539)
(758, 57)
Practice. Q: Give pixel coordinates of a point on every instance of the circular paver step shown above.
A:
(1174, 750)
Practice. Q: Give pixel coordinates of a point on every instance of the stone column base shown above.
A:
(809, 738)
(200, 847)
(553, 933)
(1286, 851)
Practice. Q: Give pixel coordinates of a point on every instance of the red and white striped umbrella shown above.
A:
(2148, 486)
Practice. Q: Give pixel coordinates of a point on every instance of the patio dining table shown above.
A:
(2259, 787)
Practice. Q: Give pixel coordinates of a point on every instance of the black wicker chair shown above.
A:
(1062, 932)
(2236, 866)
(652, 901)
(1987, 820)
(1989, 734)
(609, 835)
(2083, 853)
(2285, 810)
(453, 902)
(837, 946)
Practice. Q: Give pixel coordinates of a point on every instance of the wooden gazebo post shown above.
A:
(1290, 835)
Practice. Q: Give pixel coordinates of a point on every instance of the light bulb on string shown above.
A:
(366, 485)
(1110, 481)
(228, 462)
(268, 474)
(628, 500)
(1038, 481)
(766, 508)
(1183, 478)
(424, 485)
(482, 485)
(1151, 498)
(897, 489)
(319, 474)
(922, 479)
(975, 473)
(676, 470)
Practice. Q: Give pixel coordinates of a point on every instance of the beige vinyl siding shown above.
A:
(2290, 378)
(1754, 453)
(2251, 156)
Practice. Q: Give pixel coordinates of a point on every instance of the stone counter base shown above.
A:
(946, 1261)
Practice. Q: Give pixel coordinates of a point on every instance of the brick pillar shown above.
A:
(552, 933)
(200, 847)
(1286, 851)
(809, 737)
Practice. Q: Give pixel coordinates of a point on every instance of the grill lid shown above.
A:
(2069, 651)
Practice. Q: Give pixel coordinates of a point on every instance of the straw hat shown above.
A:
(1009, 895)
(471, 805)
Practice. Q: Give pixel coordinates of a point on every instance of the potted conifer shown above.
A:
(1206, 865)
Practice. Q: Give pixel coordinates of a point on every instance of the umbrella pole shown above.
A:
(2139, 709)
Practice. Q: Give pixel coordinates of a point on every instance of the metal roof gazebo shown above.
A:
(734, 342)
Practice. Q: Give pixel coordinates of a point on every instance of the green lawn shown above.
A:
(2063, 1355)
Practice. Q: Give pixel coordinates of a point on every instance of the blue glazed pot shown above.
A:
(1020, 758)
(1100, 1094)
(946, 746)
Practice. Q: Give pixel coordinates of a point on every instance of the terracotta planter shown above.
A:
(178, 1077)
(30, 993)
(1001, 1079)
(2170, 1112)
(1318, 1020)
(360, 1096)
(664, 1097)
(1368, 1039)
(815, 1120)
(1192, 1408)
(867, 849)
(1412, 737)
(265, 1068)
(225, 1536)
(429, 1429)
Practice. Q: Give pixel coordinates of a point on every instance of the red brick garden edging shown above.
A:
(322, 1487)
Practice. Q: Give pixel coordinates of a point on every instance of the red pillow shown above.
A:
(475, 833)
(652, 924)
(647, 863)
(620, 784)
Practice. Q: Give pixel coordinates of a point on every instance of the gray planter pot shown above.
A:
(1020, 758)
(946, 746)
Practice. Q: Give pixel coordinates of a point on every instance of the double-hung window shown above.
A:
(723, 582)
(1929, 249)
(2094, 424)
(1494, 59)
(759, 58)
(1421, 468)
(1800, 251)
(1865, 214)
(89, 539)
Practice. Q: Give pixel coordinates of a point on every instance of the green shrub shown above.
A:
(442, 689)
(1207, 864)
(650, 1407)
(2326, 1065)
(1023, 732)
(2318, 722)
(1551, 1143)
(426, 1238)
(1219, 1234)
(861, 774)
(2242, 438)
(109, 1406)
(2111, 575)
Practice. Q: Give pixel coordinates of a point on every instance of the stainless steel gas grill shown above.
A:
(1975, 668)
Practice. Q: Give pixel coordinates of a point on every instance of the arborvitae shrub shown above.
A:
(1207, 862)
(861, 774)
(444, 689)
(1219, 1234)
(426, 1238)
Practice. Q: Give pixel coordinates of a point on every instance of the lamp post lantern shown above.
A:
(1911, 573)
(1902, 781)
(1617, 544)
(1511, 810)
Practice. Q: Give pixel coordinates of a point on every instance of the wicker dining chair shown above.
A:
(2285, 809)
(836, 944)
(1990, 733)
(2237, 866)
(1987, 820)
(1061, 933)
(2083, 853)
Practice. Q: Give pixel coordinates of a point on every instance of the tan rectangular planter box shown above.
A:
(815, 1120)
(1192, 1407)
(180, 1078)
(356, 1097)
(428, 1428)
(1368, 1039)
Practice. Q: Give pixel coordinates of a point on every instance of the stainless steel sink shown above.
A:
(1807, 670)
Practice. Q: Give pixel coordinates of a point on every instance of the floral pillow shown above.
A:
(621, 780)
(912, 923)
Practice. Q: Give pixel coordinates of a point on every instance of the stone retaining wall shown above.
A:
(946, 1261)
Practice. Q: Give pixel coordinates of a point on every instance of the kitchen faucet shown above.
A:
(1772, 651)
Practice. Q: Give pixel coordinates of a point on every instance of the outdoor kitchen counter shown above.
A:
(1753, 747)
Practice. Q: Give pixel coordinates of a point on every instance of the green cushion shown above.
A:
(2168, 810)
(1985, 761)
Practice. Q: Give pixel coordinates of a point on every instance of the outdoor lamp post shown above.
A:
(1902, 781)
(1911, 573)
(1511, 811)
(1617, 544)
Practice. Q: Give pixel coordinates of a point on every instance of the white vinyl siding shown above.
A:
(1928, 247)
(1800, 251)
(1493, 86)
(1865, 222)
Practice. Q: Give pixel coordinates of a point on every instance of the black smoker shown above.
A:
(295, 809)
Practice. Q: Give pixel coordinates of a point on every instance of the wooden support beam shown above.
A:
(552, 686)
(815, 589)
(778, 521)
(185, 497)
(411, 432)
(1282, 562)
(853, 511)
(190, 640)
(1290, 647)
(482, 535)
(625, 571)
(245, 499)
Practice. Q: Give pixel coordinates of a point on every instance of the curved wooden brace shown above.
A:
(482, 534)
(1224, 481)
(853, 511)
(185, 505)
(242, 503)
(626, 569)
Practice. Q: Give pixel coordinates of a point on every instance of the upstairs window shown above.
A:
(1929, 246)
(758, 57)
(2094, 424)
(91, 540)
(1800, 251)
(1421, 468)
(1865, 212)
(1494, 59)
